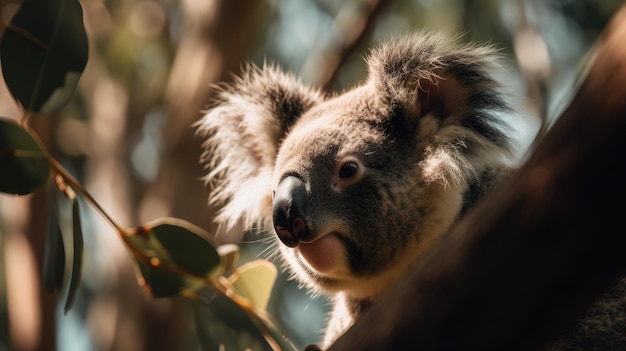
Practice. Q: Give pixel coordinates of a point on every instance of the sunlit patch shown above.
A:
(61, 95)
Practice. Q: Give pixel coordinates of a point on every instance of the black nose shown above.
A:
(288, 211)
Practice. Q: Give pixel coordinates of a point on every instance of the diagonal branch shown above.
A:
(353, 27)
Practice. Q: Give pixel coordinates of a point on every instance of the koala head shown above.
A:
(358, 185)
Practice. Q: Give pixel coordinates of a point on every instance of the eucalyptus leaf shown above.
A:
(77, 258)
(172, 243)
(159, 283)
(254, 281)
(44, 51)
(229, 254)
(54, 252)
(223, 325)
(22, 160)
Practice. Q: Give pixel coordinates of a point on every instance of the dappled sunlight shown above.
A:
(128, 136)
(23, 287)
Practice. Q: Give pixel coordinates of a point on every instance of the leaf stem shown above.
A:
(24, 119)
(69, 179)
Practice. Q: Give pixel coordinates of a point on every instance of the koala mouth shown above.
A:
(325, 254)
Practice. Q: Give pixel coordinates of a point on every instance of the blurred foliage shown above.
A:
(126, 133)
(44, 52)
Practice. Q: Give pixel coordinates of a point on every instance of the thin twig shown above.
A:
(354, 30)
(69, 179)
(24, 119)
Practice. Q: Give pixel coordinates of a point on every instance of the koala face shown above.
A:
(357, 186)
(349, 198)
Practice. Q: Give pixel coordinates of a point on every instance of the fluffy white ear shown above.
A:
(449, 95)
(243, 132)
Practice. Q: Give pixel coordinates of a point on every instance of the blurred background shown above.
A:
(127, 135)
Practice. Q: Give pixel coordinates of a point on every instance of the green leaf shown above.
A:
(77, 260)
(223, 325)
(171, 242)
(54, 252)
(254, 281)
(22, 160)
(44, 51)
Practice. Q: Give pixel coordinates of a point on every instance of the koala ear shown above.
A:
(447, 90)
(243, 131)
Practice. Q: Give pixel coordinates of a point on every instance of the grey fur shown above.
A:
(426, 129)
(603, 327)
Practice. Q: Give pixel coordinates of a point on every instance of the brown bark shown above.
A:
(533, 256)
(35, 232)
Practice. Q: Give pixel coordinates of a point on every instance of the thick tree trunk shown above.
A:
(532, 257)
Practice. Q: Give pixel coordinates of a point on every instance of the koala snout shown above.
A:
(288, 211)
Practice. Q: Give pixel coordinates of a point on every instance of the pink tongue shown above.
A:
(323, 254)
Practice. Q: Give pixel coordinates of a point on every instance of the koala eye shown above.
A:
(348, 170)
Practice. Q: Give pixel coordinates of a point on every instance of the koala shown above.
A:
(358, 185)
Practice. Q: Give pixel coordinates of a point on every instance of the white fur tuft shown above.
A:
(242, 134)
